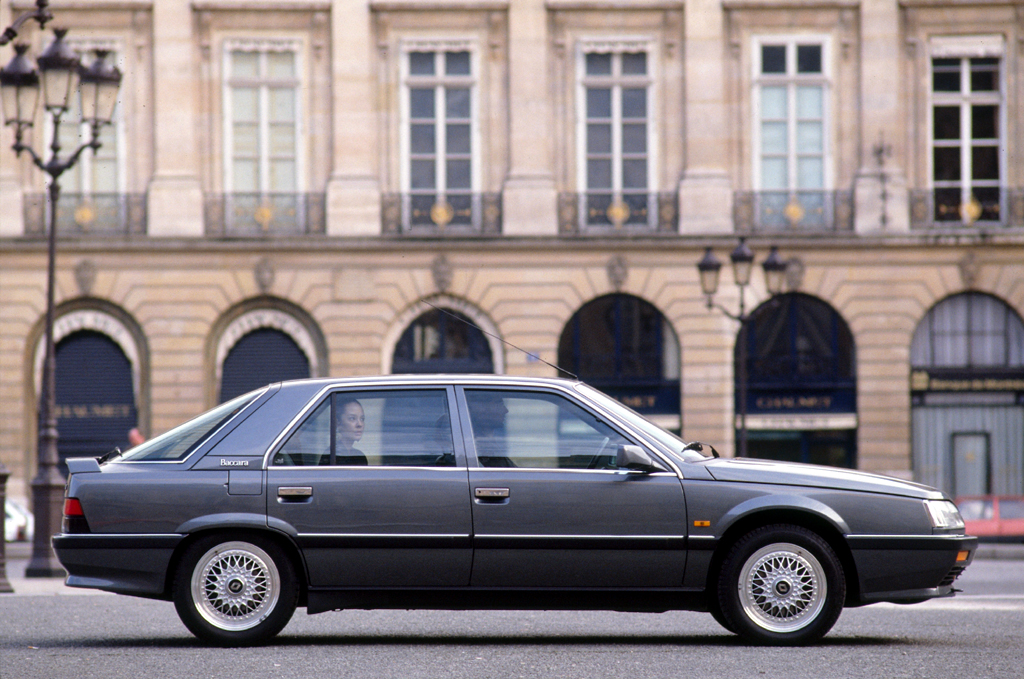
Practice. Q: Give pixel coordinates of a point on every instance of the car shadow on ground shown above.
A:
(430, 640)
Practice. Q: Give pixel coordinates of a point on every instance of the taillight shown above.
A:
(74, 517)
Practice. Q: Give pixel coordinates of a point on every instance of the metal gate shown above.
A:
(95, 398)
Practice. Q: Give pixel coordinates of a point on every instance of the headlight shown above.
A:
(944, 514)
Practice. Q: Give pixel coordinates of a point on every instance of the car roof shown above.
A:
(317, 384)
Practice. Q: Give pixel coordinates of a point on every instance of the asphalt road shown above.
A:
(49, 631)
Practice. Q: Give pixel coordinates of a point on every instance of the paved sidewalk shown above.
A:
(17, 555)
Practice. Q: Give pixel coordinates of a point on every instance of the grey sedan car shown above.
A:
(485, 492)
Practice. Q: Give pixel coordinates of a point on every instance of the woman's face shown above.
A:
(350, 429)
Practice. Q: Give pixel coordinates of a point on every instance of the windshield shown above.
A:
(665, 438)
(179, 442)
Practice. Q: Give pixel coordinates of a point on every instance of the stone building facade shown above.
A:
(349, 187)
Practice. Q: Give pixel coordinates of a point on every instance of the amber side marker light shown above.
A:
(702, 524)
(962, 556)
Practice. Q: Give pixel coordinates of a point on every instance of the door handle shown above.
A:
(294, 493)
(491, 493)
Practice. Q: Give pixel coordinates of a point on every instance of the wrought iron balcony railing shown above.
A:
(266, 215)
(945, 208)
(605, 213)
(81, 215)
(433, 214)
(793, 211)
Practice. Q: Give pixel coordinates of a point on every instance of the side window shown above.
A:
(538, 430)
(310, 444)
(1011, 509)
(374, 428)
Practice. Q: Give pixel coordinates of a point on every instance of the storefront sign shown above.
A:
(800, 422)
(960, 381)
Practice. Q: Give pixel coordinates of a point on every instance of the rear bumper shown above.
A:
(125, 564)
(909, 569)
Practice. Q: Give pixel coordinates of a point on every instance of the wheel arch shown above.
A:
(240, 532)
(795, 516)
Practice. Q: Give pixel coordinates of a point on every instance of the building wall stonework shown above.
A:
(353, 275)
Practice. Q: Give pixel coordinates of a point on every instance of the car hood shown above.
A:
(793, 474)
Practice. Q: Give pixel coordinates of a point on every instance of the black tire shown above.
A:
(235, 592)
(716, 612)
(781, 585)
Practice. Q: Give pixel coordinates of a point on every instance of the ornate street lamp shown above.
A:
(709, 268)
(60, 76)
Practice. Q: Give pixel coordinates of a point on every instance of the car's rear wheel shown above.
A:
(235, 592)
(781, 585)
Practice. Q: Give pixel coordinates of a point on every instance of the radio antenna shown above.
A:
(504, 341)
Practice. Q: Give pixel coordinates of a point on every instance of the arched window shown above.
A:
(801, 382)
(261, 357)
(967, 359)
(623, 345)
(95, 397)
(796, 341)
(447, 342)
(969, 330)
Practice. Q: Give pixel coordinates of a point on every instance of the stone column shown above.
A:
(529, 200)
(175, 199)
(353, 190)
(882, 109)
(705, 193)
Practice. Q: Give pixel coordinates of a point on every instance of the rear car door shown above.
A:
(374, 489)
(550, 509)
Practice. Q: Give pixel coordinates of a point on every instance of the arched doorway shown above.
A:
(801, 383)
(442, 342)
(258, 358)
(95, 397)
(967, 391)
(625, 347)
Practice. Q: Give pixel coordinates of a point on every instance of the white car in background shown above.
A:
(19, 524)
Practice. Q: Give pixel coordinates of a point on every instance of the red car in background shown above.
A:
(993, 518)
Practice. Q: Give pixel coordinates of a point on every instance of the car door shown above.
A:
(550, 509)
(375, 491)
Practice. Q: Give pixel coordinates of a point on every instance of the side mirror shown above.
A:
(637, 459)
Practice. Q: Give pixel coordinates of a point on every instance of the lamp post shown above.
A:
(59, 76)
(709, 268)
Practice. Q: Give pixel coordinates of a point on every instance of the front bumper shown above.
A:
(125, 564)
(909, 568)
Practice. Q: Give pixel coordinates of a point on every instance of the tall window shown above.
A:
(440, 109)
(967, 138)
(616, 162)
(262, 119)
(791, 101)
(96, 170)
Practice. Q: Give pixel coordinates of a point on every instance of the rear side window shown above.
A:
(406, 428)
(180, 442)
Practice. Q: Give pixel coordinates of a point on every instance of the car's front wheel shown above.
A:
(781, 585)
(235, 592)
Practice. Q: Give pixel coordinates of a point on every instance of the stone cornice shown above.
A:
(439, 5)
(256, 6)
(740, 5)
(996, 238)
(613, 5)
(18, 6)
